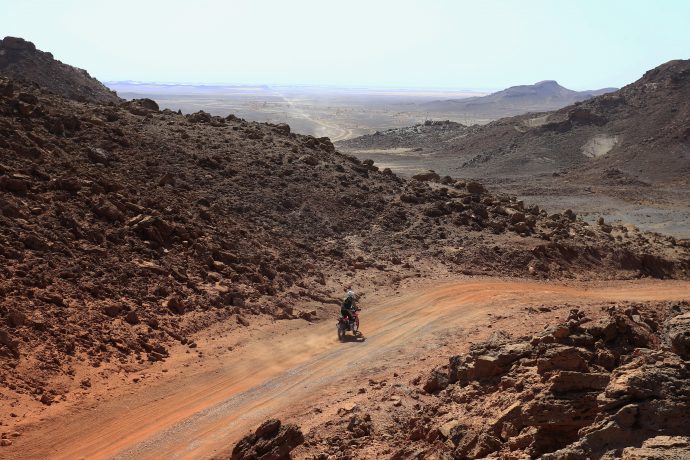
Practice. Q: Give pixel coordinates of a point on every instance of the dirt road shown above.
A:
(200, 412)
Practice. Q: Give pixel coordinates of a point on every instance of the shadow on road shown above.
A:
(351, 338)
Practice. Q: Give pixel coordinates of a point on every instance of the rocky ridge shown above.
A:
(516, 100)
(416, 138)
(20, 60)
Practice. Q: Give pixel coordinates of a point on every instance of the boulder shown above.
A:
(360, 425)
(677, 335)
(271, 441)
(561, 331)
(7, 341)
(14, 184)
(485, 366)
(452, 431)
(427, 176)
(476, 445)
(199, 117)
(16, 318)
(570, 215)
(605, 329)
(282, 128)
(152, 228)
(475, 188)
(176, 304)
(508, 353)
(108, 212)
(34, 242)
(132, 317)
(98, 155)
(517, 217)
(112, 310)
(140, 107)
(521, 227)
(147, 103)
(437, 381)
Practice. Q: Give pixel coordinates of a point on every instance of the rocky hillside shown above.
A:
(608, 387)
(418, 138)
(126, 228)
(516, 100)
(638, 134)
(20, 60)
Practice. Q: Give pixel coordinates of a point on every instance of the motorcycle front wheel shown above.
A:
(341, 333)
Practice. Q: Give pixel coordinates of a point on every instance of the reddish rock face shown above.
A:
(563, 403)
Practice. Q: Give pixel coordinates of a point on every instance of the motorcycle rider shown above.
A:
(348, 305)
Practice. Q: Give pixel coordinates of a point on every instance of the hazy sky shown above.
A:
(478, 44)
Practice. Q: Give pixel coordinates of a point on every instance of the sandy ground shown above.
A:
(337, 113)
(194, 406)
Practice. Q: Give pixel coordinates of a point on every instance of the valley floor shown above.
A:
(663, 209)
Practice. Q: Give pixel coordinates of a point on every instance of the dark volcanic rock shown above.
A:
(271, 441)
(20, 60)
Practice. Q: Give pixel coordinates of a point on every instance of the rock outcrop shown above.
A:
(20, 60)
(582, 389)
(606, 388)
(271, 441)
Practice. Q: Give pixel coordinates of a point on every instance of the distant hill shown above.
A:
(20, 60)
(640, 132)
(516, 100)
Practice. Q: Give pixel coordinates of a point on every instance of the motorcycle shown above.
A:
(345, 325)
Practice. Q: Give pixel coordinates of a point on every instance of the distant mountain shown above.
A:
(20, 60)
(516, 100)
(640, 132)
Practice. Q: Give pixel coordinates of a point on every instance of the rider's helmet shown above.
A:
(350, 294)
